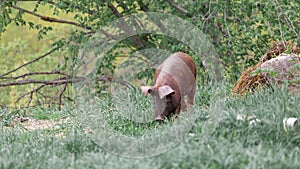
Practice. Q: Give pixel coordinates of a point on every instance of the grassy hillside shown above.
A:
(228, 143)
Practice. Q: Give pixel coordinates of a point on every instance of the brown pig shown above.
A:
(173, 80)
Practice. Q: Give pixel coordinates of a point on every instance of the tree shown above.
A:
(241, 31)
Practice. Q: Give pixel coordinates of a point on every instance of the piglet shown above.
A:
(173, 80)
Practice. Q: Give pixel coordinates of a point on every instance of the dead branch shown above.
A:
(45, 96)
(32, 91)
(32, 61)
(65, 80)
(36, 90)
(30, 99)
(63, 89)
(46, 82)
(35, 73)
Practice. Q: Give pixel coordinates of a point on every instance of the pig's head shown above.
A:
(162, 100)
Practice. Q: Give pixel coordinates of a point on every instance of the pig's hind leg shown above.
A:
(190, 98)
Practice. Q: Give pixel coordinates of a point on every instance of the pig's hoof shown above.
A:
(189, 107)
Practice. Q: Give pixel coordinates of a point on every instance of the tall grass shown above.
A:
(216, 140)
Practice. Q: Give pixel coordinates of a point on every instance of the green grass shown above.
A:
(228, 143)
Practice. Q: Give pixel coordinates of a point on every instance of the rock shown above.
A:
(284, 68)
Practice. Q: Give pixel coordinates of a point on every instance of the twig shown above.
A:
(30, 99)
(89, 11)
(67, 79)
(178, 7)
(124, 26)
(105, 78)
(45, 96)
(290, 25)
(143, 6)
(32, 61)
(63, 89)
(59, 81)
(36, 73)
(50, 19)
(54, 82)
(32, 91)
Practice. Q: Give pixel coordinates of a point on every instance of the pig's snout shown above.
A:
(159, 118)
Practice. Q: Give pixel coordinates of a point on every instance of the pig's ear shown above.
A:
(146, 89)
(164, 91)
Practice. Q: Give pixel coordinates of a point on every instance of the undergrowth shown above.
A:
(230, 143)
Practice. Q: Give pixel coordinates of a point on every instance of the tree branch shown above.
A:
(65, 80)
(63, 89)
(32, 61)
(124, 26)
(50, 19)
(35, 73)
(30, 100)
(32, 91)
(46, 82)
(178, 7)
(143, 6)
(59, 81)
(91, 12)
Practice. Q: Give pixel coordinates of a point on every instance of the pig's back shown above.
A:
(181, 68)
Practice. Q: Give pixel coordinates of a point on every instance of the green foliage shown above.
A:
(236, 28)
(241, 31)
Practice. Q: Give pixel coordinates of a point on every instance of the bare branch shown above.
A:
(65, 80)
(63, 89)
(50, 19)
(34, 60)
(36, 73)
(30, 100)
(32, 91)
(55, 82)
(45, 96)
(105, 78)
(46, 82)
